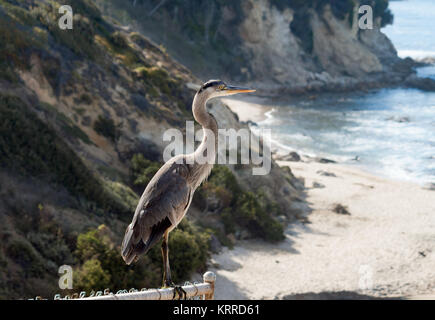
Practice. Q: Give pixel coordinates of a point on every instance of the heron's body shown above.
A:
(163, 205)
(168, 195)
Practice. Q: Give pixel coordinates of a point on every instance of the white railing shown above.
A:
(203, 290)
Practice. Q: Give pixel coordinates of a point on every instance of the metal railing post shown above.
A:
(210, 278)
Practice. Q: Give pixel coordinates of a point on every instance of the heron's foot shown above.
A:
(178, 290)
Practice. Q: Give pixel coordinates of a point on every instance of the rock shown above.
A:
(281, 219)
(324, 160)
(404, 66)
(340, 209)
(286, 191)
(427, 61)
(252, 123)
(232, 238)
(86, 121)
(339, 52)
(399, 119)
(326, 173)
(425, 84)
(292, 156)
(318, 185)
(244, 234)
(270, 43)
(215, 244)
(429, 186)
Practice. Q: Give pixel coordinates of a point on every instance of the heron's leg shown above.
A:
(167, 280)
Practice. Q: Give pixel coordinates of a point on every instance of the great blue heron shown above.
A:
(169, 194)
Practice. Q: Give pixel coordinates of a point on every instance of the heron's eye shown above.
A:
(221, 87)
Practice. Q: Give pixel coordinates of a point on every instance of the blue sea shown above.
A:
(390, 131)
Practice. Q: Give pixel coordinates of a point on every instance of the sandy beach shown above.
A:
(384, 248)
(248, 108)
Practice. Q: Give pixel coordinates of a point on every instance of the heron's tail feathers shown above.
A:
(134, 244)
(129, 248)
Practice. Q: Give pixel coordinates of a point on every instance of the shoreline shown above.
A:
(386, 243)
(384, 247)
(254, 110)
(249, 108)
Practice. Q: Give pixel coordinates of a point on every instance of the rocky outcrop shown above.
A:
(338, 49)
(272, 50)
(342, 57)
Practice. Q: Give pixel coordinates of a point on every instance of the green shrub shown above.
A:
(106, 127)
(242, 209)
(300, 28)
(3, 262)
(380, 9)
(25, 255)
(122, 193)
(118, 41)
(251, 214)
(187, 253)
(30, 146)
(80, 39)
(142, 171)
(14, 48)
(84, 98)
(188, 249)
(158, 78)
(51, 247)
(90, 245)
(64, 122)
(91, 276)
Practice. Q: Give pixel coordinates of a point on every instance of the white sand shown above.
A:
(248, 108)
(387, 243)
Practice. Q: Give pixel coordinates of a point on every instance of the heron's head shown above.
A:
(218, 88)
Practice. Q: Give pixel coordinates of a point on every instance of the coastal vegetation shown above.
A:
(72, 162)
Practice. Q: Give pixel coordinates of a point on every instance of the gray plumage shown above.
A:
(168, 195)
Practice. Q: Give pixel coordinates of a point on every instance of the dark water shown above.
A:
(392, 131)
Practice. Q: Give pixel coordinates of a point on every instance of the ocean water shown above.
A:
(391, 131)
(413, 29)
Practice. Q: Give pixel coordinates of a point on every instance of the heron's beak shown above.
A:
(233, 90)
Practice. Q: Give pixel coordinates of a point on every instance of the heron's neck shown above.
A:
(206, 120)
(201, 115)
(207, 148)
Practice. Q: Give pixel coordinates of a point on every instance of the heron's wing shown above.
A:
(167, 196)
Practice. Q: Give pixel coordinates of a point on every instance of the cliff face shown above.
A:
(301, 46)
(273, 52)
(337, 51)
